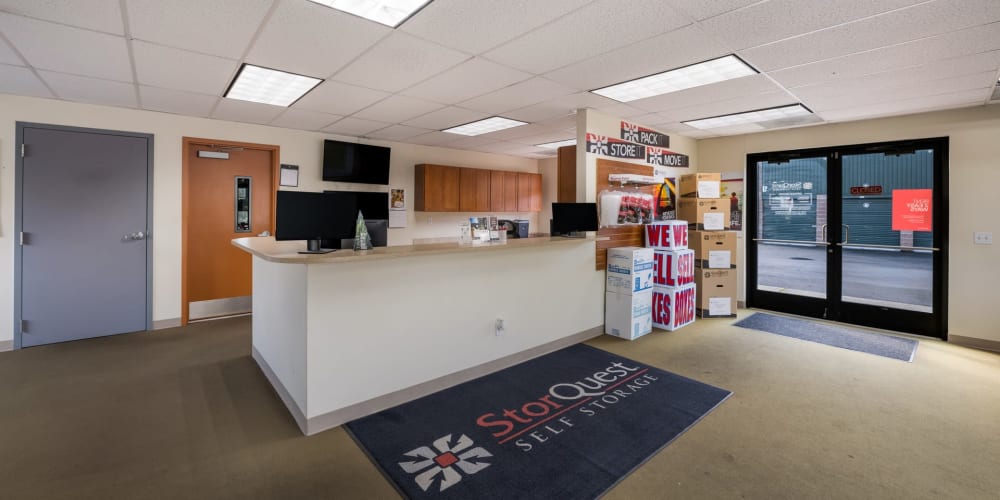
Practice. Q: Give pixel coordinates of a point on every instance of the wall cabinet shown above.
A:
(441, 188)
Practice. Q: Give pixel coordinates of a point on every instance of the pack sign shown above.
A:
(673, 307)
(665, 157)
(615, 148)
(642, 135)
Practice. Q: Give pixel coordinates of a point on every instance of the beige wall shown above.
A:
(974, 171)
(297, 147)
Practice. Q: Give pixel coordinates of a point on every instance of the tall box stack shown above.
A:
(674, 296)
(714, 248)
(629, 292)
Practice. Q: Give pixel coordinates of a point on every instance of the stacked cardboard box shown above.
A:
(629, 292)
(674, 295)
(715, 248)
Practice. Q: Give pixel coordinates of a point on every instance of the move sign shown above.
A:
(665, 157)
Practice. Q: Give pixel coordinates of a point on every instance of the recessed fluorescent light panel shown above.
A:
(391, 13)
(751, 117)
(695, 75)
(485, 126)
(557, 144)
(269, 86)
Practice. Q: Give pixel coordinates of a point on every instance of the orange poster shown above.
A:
(911, 210)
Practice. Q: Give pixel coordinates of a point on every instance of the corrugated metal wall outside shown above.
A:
(788, 198)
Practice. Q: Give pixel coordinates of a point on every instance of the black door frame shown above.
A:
(934, 324)
(20, 127)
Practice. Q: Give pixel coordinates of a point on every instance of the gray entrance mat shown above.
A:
(836, 336)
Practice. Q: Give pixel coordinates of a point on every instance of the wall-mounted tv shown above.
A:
(353, 162)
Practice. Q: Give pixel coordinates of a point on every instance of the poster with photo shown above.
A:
(731, 187)
(397, 207)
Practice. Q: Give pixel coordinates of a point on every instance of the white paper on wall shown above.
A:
(719, 259)
(719, 306)
(397, 218)
(713, 222)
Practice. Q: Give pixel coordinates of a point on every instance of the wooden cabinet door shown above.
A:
(436, 188)
(524, 183)
(536, 192)
(510, 191)
(496, 191)
(483, 190)
(566, 176)
(468, 194)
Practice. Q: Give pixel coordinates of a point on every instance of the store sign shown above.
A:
(665, 157)
(911, 210)
(642, 135)
(615, 148)
(865, 190)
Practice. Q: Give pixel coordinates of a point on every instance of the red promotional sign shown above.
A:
(911, 210)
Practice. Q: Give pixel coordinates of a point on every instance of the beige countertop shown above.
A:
(287, 251)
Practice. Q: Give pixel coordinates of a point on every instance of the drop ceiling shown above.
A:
(457, 61)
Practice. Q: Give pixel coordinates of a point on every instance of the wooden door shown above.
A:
(217, 275)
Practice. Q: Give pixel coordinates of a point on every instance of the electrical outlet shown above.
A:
(982, 238)
(499, 326)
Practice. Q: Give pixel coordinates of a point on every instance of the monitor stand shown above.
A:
(313, 247)
(575, 234)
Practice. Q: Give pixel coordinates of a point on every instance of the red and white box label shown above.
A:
(673, 307)
(673, 267)
(667, 235)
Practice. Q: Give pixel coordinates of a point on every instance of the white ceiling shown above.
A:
(457, 61)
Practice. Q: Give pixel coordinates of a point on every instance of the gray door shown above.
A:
(83, 216)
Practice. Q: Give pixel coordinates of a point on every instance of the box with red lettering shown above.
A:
(667, 235)
(673, 307)
(673, 267)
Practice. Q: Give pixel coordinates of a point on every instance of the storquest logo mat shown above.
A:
(569, 425)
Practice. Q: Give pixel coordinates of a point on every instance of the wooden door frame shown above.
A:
(188, 143)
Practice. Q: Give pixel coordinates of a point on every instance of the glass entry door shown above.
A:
(853, 234)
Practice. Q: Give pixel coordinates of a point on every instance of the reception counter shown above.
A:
(347, 334)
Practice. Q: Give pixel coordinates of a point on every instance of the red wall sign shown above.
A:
(911, 210)
(865, 190)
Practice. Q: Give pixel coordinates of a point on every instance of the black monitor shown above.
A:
(313, 217)
(371, 205)
(354, 162)
(573, 219)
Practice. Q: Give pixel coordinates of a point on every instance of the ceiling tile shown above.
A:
(339, 98)
(700, 9)
(100, 15)
(728, 106)
(397, 133)
(311, 39)
(466, 142)
(766, 22)
(747, 85)
(435, 138)
(905, 90)
(78, 51)
(397, 108)
(219, 27)
(399, 61)
(446, 118)
(475, 26)
(923, 20)
(354, 127)
(532, 140)
(91, 90)
(164, 67)
(541, 111)
(8, 56)
(516, 132)
(622, 110)
(965, 98)
(21, 81)
(467, 80)
(245, 111)
(970, 41)
(176, 101)
(678, 48)
(304, 119)
(518, 95)
(597, 28)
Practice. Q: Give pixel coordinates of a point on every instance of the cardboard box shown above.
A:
(694, 211)
(714, 249)
(628, 316)
(704, 185)
(667, 235)
(673, 268)
(718, 293)
(674, 307)
(630, 270)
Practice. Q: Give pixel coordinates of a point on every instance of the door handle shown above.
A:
(847, 233)
(136, 236)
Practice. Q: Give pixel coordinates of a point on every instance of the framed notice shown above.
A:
(397, 207)
(289, 175)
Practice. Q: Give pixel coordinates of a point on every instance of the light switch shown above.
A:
(982, 238)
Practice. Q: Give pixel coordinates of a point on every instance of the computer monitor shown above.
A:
(313, 217)
(573, 219)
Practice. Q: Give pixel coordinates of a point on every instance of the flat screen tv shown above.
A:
(573, 219)
(353, 162)
(314, 217)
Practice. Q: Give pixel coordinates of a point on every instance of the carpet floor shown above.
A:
(186, 413)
